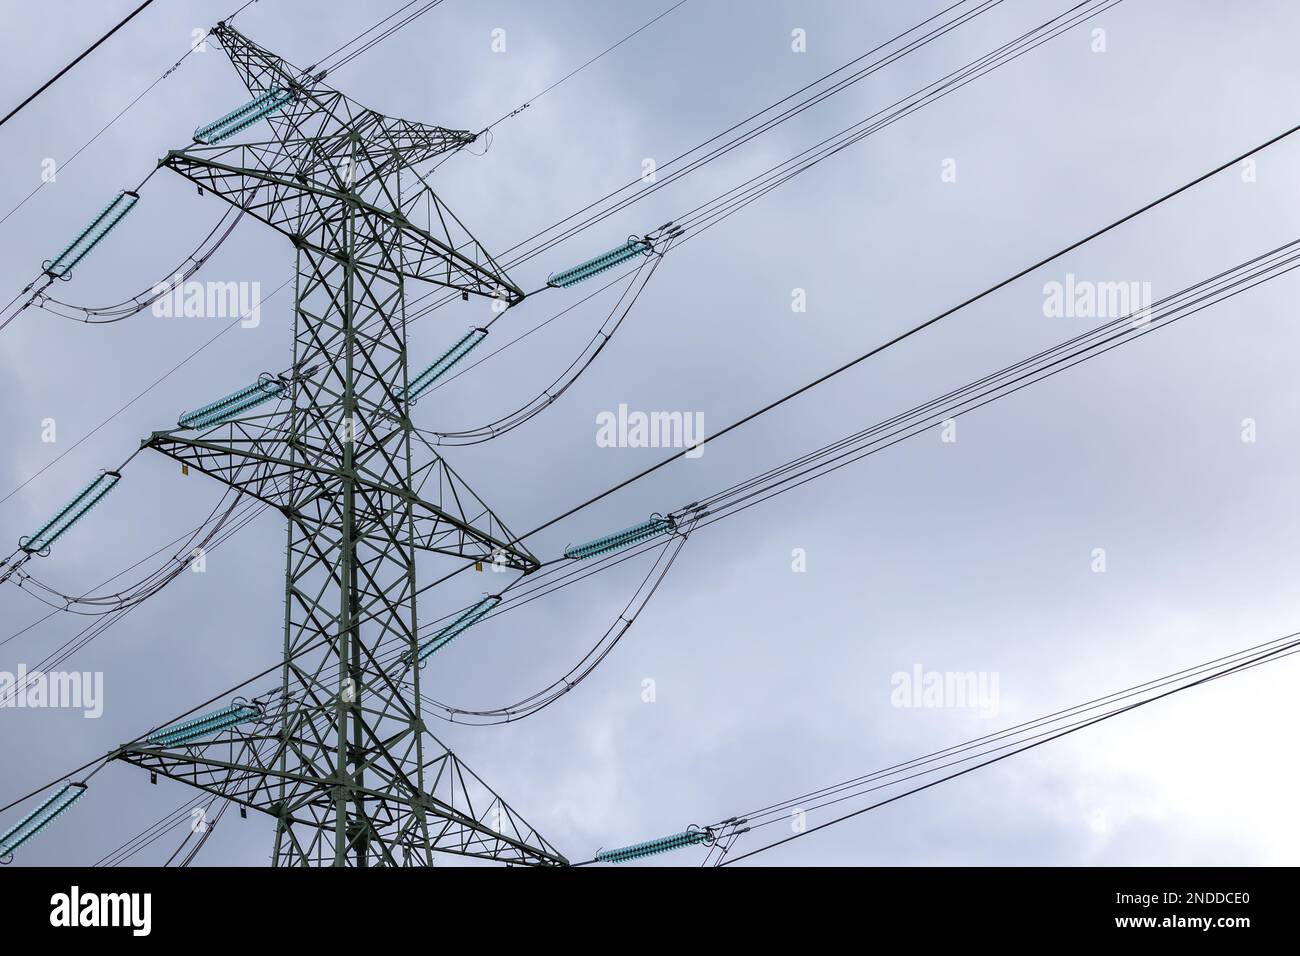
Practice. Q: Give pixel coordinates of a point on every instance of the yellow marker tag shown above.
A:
(185, 469)
(478, 565)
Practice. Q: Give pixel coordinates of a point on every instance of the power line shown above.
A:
(1277, 653)
(903, 336)
(574, 72)
(1088, 345)
(665, 179)
(1008, 381)
(89, 50)
(711, 213)
(373, 41)
(975, 395)
(156, 382)
(357, 620)
(1234, 286)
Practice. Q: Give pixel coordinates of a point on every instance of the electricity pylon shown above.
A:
(342, 758)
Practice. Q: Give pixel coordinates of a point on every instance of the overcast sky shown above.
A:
(974, 555)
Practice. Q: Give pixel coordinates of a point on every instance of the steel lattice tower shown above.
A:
(343, 759)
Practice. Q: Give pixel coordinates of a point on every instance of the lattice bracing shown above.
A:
(329, 157)
(341, 756)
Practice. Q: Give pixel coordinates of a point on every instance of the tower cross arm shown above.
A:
(257, 471)
(252, 178)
